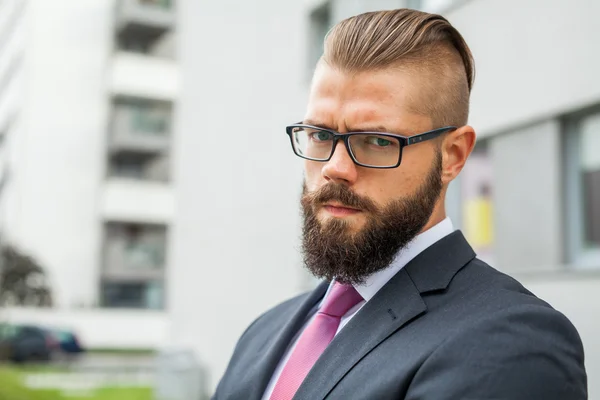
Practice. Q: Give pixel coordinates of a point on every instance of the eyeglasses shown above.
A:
(367, 149)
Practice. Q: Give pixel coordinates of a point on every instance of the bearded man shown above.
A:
(406, 310)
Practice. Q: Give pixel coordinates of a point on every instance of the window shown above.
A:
(146, 295)
(319, 24)
(139, 139)
(134, 265)
(134, 45)
(582, 188)
(142, 117)
(139, 166)
(434, 6)
(414, 4)
(127, 166)
(157, 3)
(149, 120)
(142, 26)
(8, 331)
(132, 246)
(590, 176)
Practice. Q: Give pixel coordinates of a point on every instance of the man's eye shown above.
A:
(321, 136)
(379, 141)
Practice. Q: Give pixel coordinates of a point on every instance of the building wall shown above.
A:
(137, 201)
(143, 76)
(235, 233)
(61, 159)
(529, 71)
(526, 167)
(58, 73)
(342, 9)
(12, 46)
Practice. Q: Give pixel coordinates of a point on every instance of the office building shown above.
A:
(87, 93)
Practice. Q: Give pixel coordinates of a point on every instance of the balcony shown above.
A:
(134, 264)
(133, 249)
(140, 23)
(145, 294)
(141, 127)
(143, 76)
(140, 139)
(137, 201)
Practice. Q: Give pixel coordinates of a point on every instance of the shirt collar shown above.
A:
(421, 242)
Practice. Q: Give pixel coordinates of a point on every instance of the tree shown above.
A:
(23, 281)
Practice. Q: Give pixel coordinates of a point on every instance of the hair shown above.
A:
(415, 42)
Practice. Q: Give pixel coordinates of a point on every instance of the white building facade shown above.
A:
(86, 98)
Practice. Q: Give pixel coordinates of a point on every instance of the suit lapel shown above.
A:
(271, 354)
(377, 320)
(398, 303)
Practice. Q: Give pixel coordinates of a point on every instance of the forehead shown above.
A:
(365, 101)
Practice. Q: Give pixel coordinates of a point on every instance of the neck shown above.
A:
(437, 216)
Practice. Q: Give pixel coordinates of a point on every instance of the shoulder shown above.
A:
(253, 342)
(274, 318)
(282, 309)
(504, 341)
(487, 288)
(492, 299)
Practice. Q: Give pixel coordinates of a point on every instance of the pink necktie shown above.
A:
(315, 339)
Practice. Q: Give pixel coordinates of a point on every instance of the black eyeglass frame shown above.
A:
(345, 137)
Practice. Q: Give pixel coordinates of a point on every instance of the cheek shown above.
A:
(416, 165)
(312, 173)
(392, 185)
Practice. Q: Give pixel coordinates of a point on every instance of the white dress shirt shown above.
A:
(371, 286)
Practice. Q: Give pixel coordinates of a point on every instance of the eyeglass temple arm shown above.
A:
(427, 135)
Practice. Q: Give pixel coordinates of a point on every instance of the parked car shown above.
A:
(26, 343)
(68, 342)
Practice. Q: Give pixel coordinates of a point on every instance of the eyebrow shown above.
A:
(378, 128)
(315, 123)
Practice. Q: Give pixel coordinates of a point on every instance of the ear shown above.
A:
(456, 148)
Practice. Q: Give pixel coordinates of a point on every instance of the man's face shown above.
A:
(358, 218)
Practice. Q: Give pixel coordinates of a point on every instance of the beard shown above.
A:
(332, 251)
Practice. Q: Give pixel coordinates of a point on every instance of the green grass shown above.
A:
(12, 388)
(122, 352)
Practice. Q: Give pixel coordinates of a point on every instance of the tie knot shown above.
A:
(341, 298)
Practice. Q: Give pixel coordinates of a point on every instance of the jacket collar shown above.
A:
(398, 303)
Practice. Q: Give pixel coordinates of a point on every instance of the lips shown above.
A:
(340, 210)
(340, 205)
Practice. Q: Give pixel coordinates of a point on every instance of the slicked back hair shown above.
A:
(415, 42)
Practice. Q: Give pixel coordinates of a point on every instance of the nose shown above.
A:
(340, 168)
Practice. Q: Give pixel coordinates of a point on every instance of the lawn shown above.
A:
(12, 388)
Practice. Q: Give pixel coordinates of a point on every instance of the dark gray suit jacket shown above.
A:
(446, 327)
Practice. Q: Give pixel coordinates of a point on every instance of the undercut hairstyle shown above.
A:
(414, 42)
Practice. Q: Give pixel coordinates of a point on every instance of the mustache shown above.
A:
(339, 193)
